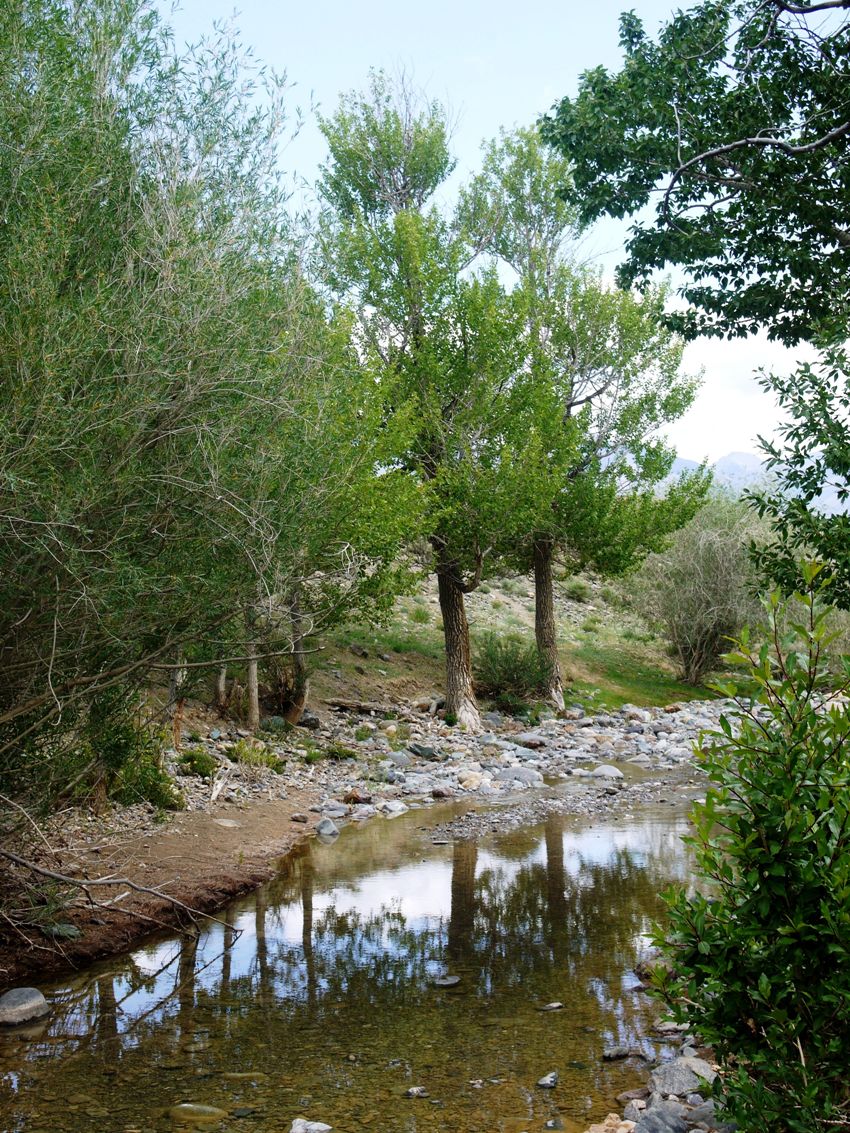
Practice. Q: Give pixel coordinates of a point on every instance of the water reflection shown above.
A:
(316, 995)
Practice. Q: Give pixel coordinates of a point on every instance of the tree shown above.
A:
(442, 336)
(736, 120)
(812, 457)
(599, 376)
(162, 360)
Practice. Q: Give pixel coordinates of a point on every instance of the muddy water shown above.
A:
(316, 997)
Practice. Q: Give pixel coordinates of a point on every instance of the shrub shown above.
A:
(509, 670)
(198, 761)
(420, 615)
(145, 780)
(762, 959)
(700, 592)
(255, 755)
(577, 590)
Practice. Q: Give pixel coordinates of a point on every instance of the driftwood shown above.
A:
(371, 708)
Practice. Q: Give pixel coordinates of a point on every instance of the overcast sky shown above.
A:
(494, 64)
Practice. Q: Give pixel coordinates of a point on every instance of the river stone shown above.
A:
(525, 775)
(302, 1125)
(227, 823)
(446, 981)
(190, 1111)
(606, 771)
(530, 739)
(392, 808)
(470, 780)
(423, 751)
(326, 828)
(22, 1005)
(681, 1076)
(662, 1117)
(416, 1092)
(548, 1081)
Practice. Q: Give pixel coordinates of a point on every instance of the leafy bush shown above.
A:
(198, 761)
(577, 590)
(761, 960)
(145, 780)
(255, 755)
(700, 591)
(509, 670)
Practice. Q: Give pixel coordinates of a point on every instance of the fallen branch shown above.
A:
(85, 884)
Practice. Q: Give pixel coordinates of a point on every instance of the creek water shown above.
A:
(315, 997)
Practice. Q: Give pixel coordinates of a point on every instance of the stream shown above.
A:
(316, 995)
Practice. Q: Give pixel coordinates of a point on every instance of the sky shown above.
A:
(496, 64)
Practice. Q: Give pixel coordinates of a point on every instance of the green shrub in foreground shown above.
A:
(762, 958)
(509, 671)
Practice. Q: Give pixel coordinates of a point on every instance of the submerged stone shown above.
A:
(22, 1005)
(548, 1081)
(194, 1112)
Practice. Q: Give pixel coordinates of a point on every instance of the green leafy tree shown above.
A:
(599, 375)
(811, 458)
(736, 122)
(445, 337)
(166, 372)
(761, 958)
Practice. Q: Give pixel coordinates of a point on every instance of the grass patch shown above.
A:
(621, 676)
(420, 615)
(198, 761)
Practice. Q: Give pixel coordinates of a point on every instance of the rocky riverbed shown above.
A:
(366, 763)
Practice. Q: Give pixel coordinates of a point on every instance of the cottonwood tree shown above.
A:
(599, 375)
(445, 335)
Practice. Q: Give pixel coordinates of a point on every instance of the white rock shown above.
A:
(606, 771)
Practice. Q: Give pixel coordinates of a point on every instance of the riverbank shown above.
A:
(352, 764)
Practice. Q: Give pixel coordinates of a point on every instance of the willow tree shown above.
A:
(161, 360)
(445, 336)
(600, 375)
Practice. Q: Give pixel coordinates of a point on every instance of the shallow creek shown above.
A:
(315, 997)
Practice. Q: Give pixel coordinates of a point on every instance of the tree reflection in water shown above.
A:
(328, 972)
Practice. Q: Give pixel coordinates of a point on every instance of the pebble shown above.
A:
(548, 1081)
(302, 1125)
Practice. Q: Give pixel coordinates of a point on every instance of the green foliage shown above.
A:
(145, 780)
(186, 424)
(762, 957)
(731, 108)
(250, 754)
(509, 670)
(700, 591)
(198, 761)
(813, 457)
(577, 590)
(420, 615)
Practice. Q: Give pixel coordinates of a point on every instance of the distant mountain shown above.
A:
(739, 470)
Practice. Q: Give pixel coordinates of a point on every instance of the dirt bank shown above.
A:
(201, 859)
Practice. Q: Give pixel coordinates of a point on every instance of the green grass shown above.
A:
(620, 676)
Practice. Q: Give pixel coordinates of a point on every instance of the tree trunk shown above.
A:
(460, 693)
(253, 714)
(545, 630)
(221, 690)
(176, 699)
(301, 683)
